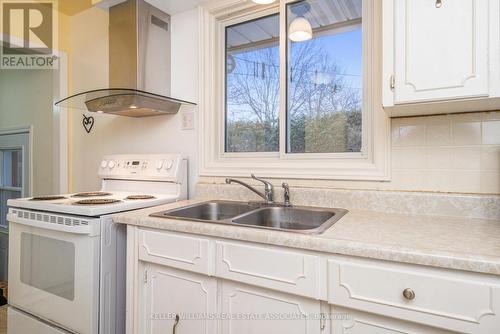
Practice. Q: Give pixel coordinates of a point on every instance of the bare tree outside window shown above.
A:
(253, 87)
(324, 86)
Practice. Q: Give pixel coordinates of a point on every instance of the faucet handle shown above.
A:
(286, 194)
(266, 183)
(268, 189)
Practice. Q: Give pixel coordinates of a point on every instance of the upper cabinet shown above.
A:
(441, 50)
(441, 53)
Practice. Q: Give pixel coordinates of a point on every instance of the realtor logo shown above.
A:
(29, 34)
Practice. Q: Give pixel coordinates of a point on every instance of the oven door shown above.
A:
(54, 269)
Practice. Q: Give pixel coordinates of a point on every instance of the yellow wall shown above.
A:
(26, 99)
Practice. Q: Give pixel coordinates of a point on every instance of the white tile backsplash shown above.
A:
(490, 182)
(408, 134)
(491, 132)
(438, 131)
(438, 158)
(466, 132)
(490, 158)
(436, 180)
(449, 153)
(466, 158)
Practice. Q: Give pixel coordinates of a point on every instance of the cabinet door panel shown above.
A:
(175, 250)
(256, 265)
(349, 321)
(440, 53)
(169, 292)
(252, 310)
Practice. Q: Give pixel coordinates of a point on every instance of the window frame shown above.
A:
(372, 163)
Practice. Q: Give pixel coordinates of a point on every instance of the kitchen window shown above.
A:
(253, 85)
(294, 90)
(324, 88)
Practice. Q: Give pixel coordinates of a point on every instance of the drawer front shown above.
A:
(174, 250)
(269, 267)
(440, 298)
(348, 321)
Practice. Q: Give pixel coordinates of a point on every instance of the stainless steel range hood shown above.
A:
(139, 65)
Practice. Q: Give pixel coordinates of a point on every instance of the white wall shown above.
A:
(454, 153)
(115, 134)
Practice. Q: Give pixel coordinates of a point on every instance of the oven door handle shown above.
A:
(75, 229)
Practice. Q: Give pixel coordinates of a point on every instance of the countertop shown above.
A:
(454, 243)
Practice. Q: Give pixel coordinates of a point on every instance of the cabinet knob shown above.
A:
(176, 322)
(439, 3)
(409, 294)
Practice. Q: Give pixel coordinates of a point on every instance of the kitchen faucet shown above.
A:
(268, 193)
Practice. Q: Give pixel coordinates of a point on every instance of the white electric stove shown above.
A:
(67, 257)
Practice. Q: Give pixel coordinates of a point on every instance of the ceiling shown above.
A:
(176, 6)
(322, 14)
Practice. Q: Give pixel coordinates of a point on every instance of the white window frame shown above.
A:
(372, 163)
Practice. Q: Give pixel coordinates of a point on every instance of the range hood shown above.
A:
(139, 65)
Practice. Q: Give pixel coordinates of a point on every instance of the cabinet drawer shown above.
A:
(348, 321)
(174, 250)
(273, 268)
(441, 298)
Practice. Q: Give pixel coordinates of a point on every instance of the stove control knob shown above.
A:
(168, 164)
(111, 164)
(159, 164)
(104, 164)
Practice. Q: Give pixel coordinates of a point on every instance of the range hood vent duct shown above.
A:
(139, 65)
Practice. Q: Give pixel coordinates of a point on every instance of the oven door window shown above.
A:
(48, 264)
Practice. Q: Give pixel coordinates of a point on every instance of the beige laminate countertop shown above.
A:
(454, 243)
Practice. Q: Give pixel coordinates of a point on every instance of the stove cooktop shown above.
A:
(91, 204)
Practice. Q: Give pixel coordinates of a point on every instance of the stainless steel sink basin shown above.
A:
(299, 219)
(208, 211)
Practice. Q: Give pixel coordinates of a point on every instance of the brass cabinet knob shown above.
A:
(409, 294)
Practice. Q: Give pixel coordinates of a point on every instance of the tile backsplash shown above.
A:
(448, 153)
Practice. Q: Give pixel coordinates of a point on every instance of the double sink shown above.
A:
(301, 219)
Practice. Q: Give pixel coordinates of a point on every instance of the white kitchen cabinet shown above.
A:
(441, 298)
(255, 310)
(236, 287)
(166, 293)
(440, 51)
(347, 321)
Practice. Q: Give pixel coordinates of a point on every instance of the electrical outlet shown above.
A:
(188, 120)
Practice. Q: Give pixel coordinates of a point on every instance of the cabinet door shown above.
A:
(440, 49)
(251, 310)
(347, 321)
(167, 293)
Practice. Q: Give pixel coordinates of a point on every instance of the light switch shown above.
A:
(188, 120)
